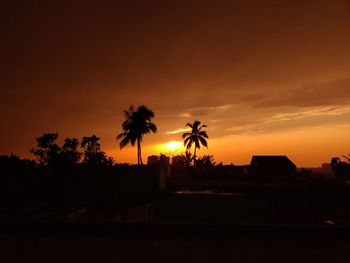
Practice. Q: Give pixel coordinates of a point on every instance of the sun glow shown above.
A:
(173, 146)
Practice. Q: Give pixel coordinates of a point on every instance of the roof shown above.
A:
(272, 161)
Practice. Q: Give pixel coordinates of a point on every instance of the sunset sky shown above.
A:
(267, 77)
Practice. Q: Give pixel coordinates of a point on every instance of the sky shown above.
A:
(266, 77)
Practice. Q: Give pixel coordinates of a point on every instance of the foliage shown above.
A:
(206, 161)
(197, 136)
(187, 158)
(49, 153)
(347, 157)
(137, 123)
(341, 169)
(92, 152)
(69, 151)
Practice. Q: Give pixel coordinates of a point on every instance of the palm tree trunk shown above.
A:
(194, 156)
(139, 158)
(140, 154)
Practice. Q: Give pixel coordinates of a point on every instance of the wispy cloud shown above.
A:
(185, 115)
(177, 131)
(315, 117)
(212, 108)
(309, 94)
(314, 112)
(214, 121)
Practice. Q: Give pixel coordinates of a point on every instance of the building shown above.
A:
(272, 167)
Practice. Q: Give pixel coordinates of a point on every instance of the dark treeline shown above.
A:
(67, 177)
(77, 173)
(50, 154)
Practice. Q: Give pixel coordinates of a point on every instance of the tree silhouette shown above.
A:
(69, 151)
(347, 157)
(187, 158)
(206, 161)
(135, 126)
(341, 169)
(197, 137)
(92, 151)
(48, 151)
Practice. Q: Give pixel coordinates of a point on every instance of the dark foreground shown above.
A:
(172, 243)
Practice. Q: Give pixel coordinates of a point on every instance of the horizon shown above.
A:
(267, 78)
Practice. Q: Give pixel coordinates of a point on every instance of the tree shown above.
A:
(47, 150)
(136, 124)
(92, 152)
(50, 153)
(206, 161)
(347, 157)
(197, 136)
(69, 151)
(341, 169)
(187, 158)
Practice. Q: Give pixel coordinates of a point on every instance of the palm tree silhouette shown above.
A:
(197, 137)
(135, 126)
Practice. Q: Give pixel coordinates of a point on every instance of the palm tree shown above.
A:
(135, 126)
(197, 137)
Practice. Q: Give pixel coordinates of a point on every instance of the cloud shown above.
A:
(297, 119)
(308, 95)
(212, 108)
(185, 115)
(206, 110)
(177, 131)
(309, 113)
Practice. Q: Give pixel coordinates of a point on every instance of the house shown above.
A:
(272, 167)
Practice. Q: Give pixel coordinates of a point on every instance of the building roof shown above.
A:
(272, 162)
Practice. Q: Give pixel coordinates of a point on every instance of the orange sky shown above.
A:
(267, 77)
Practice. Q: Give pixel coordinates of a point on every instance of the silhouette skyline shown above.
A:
(267, 77)
(175, 131)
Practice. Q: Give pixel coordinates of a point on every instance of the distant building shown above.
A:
(178, 161)
(241, 170)
(178, 167)
(161, 163)
(325, 171)
(164, 160)
(152, 160)
(272, 167)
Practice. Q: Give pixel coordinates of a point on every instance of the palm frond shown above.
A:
(197, 144)
(189, 125)
(203, 134)
(152, 127)
(124, 142)
(121, 135)
(203, 126)
(187, 140)
(347, 157)
(186, 134)
(203, 141)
